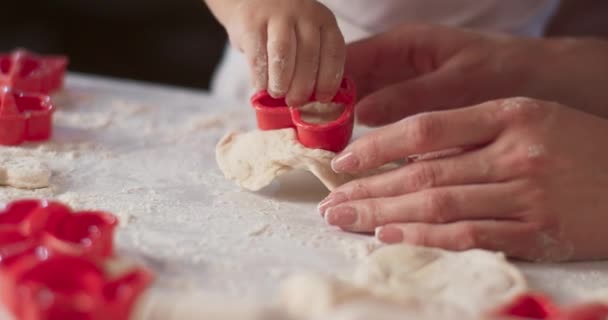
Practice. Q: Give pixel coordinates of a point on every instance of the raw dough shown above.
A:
(420, 281)
(318, 112)
(472, 280)
(23, 172)
(253, 159)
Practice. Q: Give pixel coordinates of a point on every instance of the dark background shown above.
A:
(169, 41)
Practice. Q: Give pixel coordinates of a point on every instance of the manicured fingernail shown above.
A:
(331, 200)
(345, 162)
(388, 234)
(341, 216)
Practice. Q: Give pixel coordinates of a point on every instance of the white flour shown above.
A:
(152, 164)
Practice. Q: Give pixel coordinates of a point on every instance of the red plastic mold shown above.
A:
(24, 117)
(70, 287)
(29, 72)
(536, 306)
(51, 264)
(27, 224)
(272, 114)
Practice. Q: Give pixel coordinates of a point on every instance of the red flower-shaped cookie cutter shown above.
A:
(70, 287)
(27, 224)
(50, 264)
(28, 72)
(536, 306)
(274, 114)
(24, 116)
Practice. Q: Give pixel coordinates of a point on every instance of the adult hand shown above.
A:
(534, 185)
(415, 68)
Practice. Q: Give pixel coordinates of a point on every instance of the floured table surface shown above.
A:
(146, 154)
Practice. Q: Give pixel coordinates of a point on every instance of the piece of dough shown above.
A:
(253, 159)
(424, 282)
(471, 280)
(23, 172)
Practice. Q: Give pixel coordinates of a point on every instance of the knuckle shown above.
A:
(371, 215)
(423, 176)
(416, 235)
(359, 190)
(280, 49)
(530, 159)
(437, 205)
(469, 237)
(422, 130)
(371, 148)
(521, 110)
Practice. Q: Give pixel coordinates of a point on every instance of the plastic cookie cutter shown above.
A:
(272, 114)
(24, 117)
(537, 306)
(69, 287)
(26, 225)
(29, 72)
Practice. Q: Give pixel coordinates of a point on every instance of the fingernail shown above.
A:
(345, 162)
(331, 200)
(388, 234)
(341, 216)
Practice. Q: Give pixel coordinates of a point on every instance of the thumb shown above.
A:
(434, 91)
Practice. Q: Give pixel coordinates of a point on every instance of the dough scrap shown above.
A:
(422, 282)
(23, 172)
(318, 112)
(254, 159)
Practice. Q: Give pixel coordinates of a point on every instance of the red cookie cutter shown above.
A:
(274, 114)
(69, 287)
(28, 72)
(537, 306)
(27, 224)
(24, 116)
(50, 264)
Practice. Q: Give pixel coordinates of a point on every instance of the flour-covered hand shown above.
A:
(294, 47)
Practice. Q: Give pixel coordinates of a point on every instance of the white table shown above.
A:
(146, 153)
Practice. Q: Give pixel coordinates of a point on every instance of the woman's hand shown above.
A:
(294, 47)
(533, 181)
(414, 69)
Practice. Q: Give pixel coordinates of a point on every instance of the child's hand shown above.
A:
(294, 47)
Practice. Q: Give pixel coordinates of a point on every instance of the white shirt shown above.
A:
(364, 18)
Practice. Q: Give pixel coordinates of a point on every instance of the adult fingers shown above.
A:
(402, 53)
(509, 236)
(473, 167)
(437, 90)
(307, 63)
(420, 134)
(281, 55)
(437, 205)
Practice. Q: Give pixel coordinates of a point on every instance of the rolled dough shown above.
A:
(423, 282)
(253, 159)
(23, 172)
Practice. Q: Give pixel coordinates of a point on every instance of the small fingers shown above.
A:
(438, 205)
(331, 64)
(307, 64)
(254, 47)
(281, 56)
